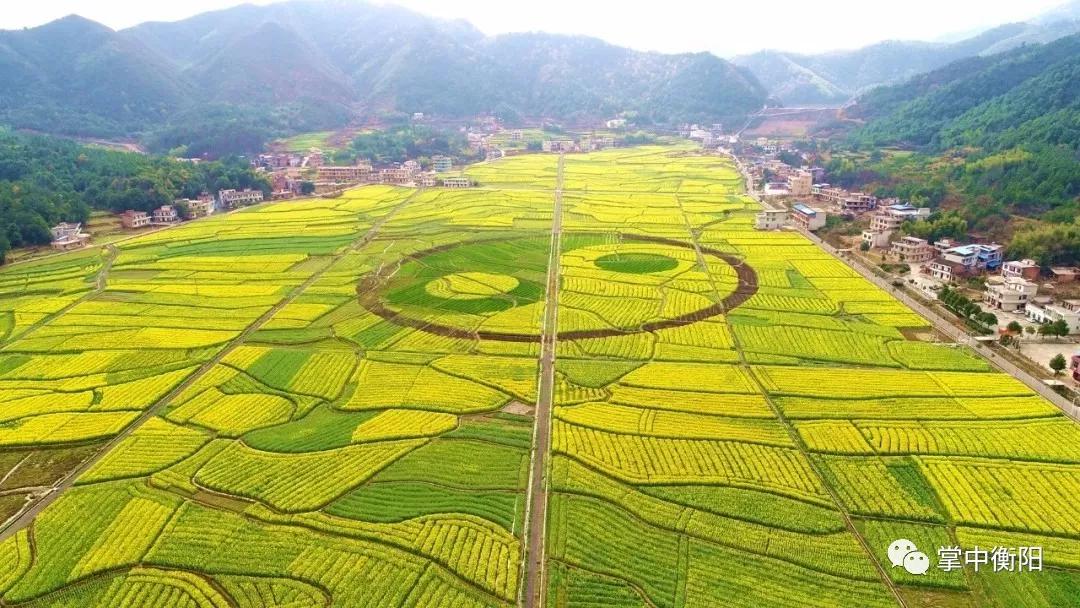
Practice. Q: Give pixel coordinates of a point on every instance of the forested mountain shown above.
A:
(1026, 96)
(77, 76)
(835, 77)
(996, 138)
(326, 61)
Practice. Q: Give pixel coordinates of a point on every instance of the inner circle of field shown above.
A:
(494, 289)
(636, 262)
(471, 285)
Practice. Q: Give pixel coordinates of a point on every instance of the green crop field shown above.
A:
(333, 402)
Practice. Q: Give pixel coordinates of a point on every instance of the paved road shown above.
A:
(954, 333)
(536, 505)
(27, 517)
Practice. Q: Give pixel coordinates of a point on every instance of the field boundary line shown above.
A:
(25, 518)
(954, 333)
(533, 586)
(800, 445)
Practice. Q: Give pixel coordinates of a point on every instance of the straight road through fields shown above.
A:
(536, 505)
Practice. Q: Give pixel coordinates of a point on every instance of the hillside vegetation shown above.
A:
(227, 81)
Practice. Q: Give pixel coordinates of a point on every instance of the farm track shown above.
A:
(537, 498)
(101, 281)
(27, 516)
(798, 441)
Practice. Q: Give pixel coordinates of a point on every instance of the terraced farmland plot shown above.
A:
(341, 402)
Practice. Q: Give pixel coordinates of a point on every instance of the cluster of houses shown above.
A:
(1016, 290)
(408, 173)
(801, 216)
(886, 221)
(289, 160)
(585, 143)
(68, 236)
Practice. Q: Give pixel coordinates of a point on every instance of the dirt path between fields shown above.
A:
(27, 517)
(536, 503)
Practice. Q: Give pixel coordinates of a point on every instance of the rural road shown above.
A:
(536, 505)
(27, 517)
(954, 333)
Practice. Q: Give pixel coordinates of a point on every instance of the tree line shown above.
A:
(46, 180)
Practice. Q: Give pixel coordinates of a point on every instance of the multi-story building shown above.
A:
(231, 199)
(807, 217)
(800, 183)
(857, 202)
(426, 180)
(456, 182)
(912, 250)
(134, 219)
(876, 239)
(1050, 313)
(885, 222)
(946, 270)
(557, 145)
(397, 175)
(165, 214)
(201, 207)
(1023, 269)
(412, 166)
(990, 256)
(346, 174)
(441, 164)
(68, 236)
(771, 219)
(1009, 293)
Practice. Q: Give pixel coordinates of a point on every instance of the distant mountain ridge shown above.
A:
(332, 59)
(835, 77)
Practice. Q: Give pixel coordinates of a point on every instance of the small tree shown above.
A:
(1030, 329)
(1057, 363)
(1006, 340)
(1059, 328)
(1014, 327)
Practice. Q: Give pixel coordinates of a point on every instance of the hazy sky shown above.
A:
(725, 27)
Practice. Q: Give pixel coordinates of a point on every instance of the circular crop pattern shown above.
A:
(471, 285)
(609, 285)
(636, 262)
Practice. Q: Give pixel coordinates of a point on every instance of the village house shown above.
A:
(1068, 311)
(397, 175)
(347, 174)
(165, 214)
(441, 164)
(231, 199)
(912, 250)
(201, 207)
(456, 182)
(1010, 294)
(800, 183)
(945, 270)
(427, 179)
(876, 239)
(68, 236)
(806, 217)
(134, 219)
(517, 135)
(771, 219)
(1022, 269)
(1065, 274)
(412, 166)
(557, 145)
